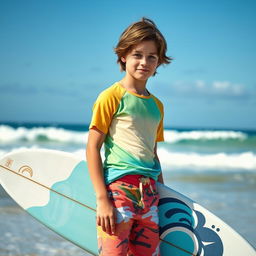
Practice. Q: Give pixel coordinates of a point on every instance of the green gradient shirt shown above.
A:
(132, 124)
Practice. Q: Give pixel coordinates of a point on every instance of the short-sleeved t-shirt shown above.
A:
(132, 124)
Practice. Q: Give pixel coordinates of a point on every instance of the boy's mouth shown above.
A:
(143, 69)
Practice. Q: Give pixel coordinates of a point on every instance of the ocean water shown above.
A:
(216, 168)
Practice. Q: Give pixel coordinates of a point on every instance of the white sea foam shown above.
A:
(11, 135)
(219, 161)
(173, 136)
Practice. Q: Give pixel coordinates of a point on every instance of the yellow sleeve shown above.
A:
(160, 129)
(104, 109)
(160, 132)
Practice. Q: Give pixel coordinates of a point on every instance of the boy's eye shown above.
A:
(152, 57)
(137, 55)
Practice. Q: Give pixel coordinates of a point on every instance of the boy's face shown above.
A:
(141, 62)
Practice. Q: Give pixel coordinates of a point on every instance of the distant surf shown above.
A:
(74, 134)
(190, 149)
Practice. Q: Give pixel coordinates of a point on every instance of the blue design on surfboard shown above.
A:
(181, 225)
(66, 216)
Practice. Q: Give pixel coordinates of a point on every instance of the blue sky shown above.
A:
(56, 56)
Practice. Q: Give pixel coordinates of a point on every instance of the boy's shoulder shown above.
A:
(113, 91)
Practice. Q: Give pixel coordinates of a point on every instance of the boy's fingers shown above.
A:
(112, 225)
(107, 225)
(103, 224)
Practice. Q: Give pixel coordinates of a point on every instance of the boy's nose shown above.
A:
(144, 61)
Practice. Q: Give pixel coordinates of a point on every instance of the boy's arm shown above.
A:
(105, 209)
(160, 177)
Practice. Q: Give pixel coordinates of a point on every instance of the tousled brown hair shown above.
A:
(143, 30)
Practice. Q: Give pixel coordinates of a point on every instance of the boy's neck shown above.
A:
(138, 87)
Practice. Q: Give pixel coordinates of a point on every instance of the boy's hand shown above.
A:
(106, 217)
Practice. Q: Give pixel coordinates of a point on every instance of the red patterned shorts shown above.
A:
(136, 220)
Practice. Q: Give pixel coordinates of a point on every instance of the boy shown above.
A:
(128, 119)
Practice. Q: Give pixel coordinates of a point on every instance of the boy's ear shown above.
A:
(123, 59)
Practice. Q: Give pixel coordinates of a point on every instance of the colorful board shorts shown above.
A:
(137, 232)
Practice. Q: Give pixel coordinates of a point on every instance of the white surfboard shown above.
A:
(55, 188)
